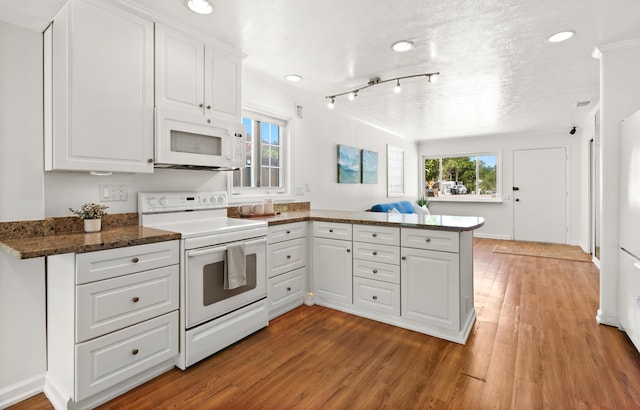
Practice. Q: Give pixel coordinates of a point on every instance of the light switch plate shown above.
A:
(112, 193)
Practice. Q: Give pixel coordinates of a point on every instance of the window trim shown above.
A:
(245, 194)
(465, 198)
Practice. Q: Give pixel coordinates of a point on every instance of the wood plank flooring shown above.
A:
(535, 345)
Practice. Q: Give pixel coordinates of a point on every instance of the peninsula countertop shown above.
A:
(436, 222)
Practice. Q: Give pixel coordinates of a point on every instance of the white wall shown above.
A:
(620, 97)
(22, 282)
(499, 216)
(315, 140)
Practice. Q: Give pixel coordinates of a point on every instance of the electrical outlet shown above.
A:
(111, 193)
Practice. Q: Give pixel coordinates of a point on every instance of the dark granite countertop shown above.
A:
(437, 222)
(55, 236)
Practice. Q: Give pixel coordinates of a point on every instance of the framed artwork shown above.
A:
(369, 167)
(395, 171)
(348, 165)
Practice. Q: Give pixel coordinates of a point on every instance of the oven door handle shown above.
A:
(198, 252)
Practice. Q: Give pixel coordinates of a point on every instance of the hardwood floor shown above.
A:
(535, 345)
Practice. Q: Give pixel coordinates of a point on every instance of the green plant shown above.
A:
(90, 211)
(422, 201)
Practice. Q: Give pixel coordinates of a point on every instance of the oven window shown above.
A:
(213, 281)
(195, 143)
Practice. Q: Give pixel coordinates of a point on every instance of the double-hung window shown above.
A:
(462, 177)
(266, 162)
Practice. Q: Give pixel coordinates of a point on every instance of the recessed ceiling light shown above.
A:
(402, 45)
(294, 78)
(199, 6)
(561, 36)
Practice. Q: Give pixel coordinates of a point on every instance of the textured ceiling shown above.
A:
(498, 72)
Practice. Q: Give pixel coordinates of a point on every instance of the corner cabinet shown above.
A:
(286, 267)
(98, 89)
(112, 321)
(332, 263)
(196, 77)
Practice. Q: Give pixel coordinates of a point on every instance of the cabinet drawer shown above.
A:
(111, 359)
(377, 271)
(113, 304)
(375, 295)
(332, 230)
(286, 256)
(376, 253)
(430, 239)
(286, 288)
(279, 233)
(383, 235)
(92, 266)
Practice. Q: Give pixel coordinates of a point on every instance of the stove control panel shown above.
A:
(152, 202)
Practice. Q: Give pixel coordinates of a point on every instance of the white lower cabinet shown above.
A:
(112, 321)
(287, 249)
(430, 283)
(629, 296)
(332, 269)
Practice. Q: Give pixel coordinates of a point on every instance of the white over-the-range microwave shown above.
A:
(190, 141)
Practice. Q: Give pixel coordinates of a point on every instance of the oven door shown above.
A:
(206, 297)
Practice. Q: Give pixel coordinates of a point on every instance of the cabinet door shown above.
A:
(332, 269)
(179, 71)
(629, 296)
(222, 84)
(100, 105)
(430, 285)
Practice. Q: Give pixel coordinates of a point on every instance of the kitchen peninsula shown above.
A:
(409, 270)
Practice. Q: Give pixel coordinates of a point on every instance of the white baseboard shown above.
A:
(22, 390)
(607, 320)
(490, 236)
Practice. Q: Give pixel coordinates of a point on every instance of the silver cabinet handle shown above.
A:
(135, 352)
(135, 260)
(135, 299)
(404, 258)
(375, 297)
(375, 271)
(208, 107)
(288, 232)
(200, 105)
(375, 253)
(288, 256)
(428, 240)
(375, 235)
(289, 289)
(330, 230)
(348, 250)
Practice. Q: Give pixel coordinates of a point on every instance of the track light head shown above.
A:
(352, 95)
(331, 103)
(433, 78)
(397, 89)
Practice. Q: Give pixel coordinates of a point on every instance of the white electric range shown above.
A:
(212, 315)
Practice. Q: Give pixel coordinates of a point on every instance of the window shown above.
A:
(265, 171)
(462, 177)
(395, 171)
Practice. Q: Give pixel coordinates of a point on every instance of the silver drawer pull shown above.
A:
(289, 289)
(375, 253)
(135, 299)
(330, 230)
(348, 250)
(404, 258)
(288, 256)
(375, 271)
(428, 240)
(288, 232)
(134, 352)
(135, 260)
(375, 235)
(375, 297)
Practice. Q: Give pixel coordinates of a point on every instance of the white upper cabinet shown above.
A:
(98, 78)
(196, 77)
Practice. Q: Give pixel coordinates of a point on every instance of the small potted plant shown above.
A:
(423, 206)
(92, 214)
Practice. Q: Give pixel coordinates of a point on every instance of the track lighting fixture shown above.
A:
(397, 88)
(351, 95)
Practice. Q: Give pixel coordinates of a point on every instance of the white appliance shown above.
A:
(629, 254)
(211, 317)
(191, 141)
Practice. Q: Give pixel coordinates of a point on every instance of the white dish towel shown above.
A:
(235, 267)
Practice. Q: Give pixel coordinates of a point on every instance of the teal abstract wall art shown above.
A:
(369, 167)
(348, 165)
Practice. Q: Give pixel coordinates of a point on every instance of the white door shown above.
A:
(540, 195)
(332, 270)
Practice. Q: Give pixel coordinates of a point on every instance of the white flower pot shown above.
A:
(92, 225)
